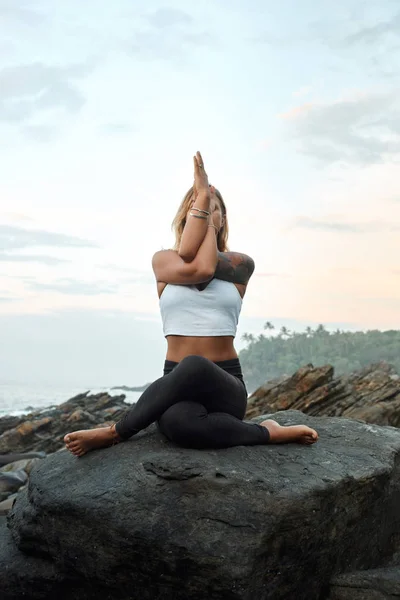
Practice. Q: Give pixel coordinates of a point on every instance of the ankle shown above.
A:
(114, 434)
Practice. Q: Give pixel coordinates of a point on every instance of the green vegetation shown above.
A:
(269, 356)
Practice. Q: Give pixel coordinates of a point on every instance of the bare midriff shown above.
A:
(215, 349)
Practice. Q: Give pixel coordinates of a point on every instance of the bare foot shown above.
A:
(293, 433)
(80, 442)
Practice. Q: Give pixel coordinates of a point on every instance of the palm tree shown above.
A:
(248, 337)
(284, 331)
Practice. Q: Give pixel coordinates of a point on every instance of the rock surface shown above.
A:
(145, 519)
(25, 440)
(375, 584)
(371, 395)
(26, 577)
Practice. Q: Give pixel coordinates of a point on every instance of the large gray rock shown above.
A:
(25, 577)
(145, 519)
(376, 584)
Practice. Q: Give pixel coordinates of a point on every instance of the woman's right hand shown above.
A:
(201, 185)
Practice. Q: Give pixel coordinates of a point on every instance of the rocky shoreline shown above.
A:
(265, 523)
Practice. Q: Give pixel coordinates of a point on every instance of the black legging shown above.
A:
(197, 404)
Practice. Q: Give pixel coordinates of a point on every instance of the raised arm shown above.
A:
(169, 267)
(197, 219)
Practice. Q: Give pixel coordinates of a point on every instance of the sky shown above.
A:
(296, 110)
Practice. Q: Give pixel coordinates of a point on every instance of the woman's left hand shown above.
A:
(201, 185)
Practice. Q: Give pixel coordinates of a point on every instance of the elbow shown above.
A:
(186, 256)
(205, 274)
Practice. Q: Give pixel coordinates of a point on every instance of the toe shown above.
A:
(67, 439)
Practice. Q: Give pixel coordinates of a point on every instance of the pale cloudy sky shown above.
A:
(296, 109)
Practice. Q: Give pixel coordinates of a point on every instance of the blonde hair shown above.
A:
(179, 222)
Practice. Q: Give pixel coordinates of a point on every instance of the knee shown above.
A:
(193, 364)
(178, 423)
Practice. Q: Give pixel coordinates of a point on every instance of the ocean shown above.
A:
(18, 399)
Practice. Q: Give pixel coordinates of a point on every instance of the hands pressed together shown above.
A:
(203, 191)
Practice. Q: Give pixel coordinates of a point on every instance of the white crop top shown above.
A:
(214, 311)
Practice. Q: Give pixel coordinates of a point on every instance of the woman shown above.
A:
(200, 402)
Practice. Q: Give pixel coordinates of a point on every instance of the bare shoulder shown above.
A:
(235, 267)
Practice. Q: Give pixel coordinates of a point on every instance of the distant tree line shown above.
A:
(271, 355)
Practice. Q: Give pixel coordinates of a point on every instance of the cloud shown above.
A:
(34, 88)
(74, 287)
(40, 133)
(15, 238)
(169, 17)
(361, 130)
(374, 33)
(38, 258)
(14, 10)
(117, 128)
(7, 299)
(142, 278)
(132, 275)
(167, 46)
(116, 268)
(169, 36)
(301, 222)
(303, 91)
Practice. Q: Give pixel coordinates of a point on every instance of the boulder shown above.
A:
(146, 519)
(371, 394)
(26, 577)
(375, 584)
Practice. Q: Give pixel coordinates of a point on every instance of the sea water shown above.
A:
(22, 398)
